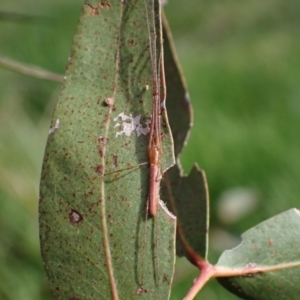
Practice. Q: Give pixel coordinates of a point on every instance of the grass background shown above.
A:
(242, 66)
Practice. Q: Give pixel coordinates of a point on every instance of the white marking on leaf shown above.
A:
(131, 124)
(55, 127)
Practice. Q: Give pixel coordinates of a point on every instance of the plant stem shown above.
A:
(207, 272)
(29, 70)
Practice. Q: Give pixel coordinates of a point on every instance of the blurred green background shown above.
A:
(242, 65)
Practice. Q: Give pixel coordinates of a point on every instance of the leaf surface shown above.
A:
(96, 242)
(179, 107)
(271, 250)
(186, 197)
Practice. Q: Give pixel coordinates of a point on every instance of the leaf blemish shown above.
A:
(131, 124)
(102, 140)
(93, 11)
(115, 159)
(55, 127)
(104, 5)
(100, 151)
(109, 102)
(140, 290)
(98, 169)
(75, 217)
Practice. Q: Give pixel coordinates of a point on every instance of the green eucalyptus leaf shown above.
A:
(95, 238)
(179, 107)
(271, 251)
(187, 198)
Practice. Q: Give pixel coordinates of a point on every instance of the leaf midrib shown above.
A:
(107, 249)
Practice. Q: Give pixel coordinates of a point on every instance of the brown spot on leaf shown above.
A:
(94, 11)
(139, 290)
(102, 140)
(100, 151)
(104, 5)
(98, 169)
(115, 159)
(109, 101)
(75, 217)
